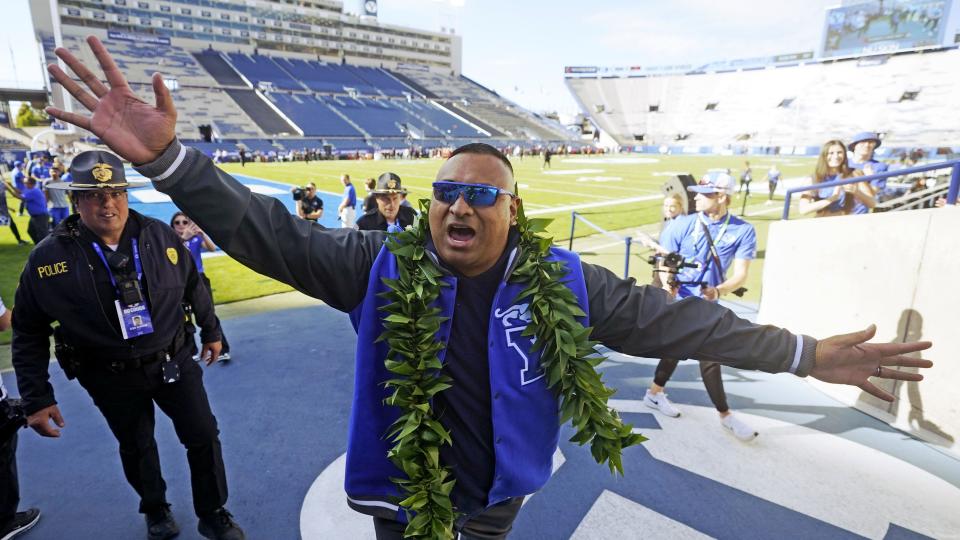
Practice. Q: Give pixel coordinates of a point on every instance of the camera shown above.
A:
(298, 193)
(130, 292)
(672, 262)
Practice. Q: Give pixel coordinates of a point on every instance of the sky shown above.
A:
(519, 47)
(20, 65)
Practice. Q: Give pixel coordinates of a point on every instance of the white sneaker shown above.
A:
(225, 357)
(739, 429)
(660, 402)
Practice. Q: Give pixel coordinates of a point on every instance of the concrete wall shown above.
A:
(898, 270)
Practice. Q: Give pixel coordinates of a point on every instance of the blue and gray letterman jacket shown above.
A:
(524, 412)
(343, 268)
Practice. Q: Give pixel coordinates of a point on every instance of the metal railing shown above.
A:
(951, 192)
(574, 217)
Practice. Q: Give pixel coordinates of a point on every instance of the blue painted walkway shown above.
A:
(818, 469)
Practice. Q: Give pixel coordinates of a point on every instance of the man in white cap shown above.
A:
(862, 146)
(711, 241)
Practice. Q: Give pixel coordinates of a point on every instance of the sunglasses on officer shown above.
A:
(448, 191)
(100, 196)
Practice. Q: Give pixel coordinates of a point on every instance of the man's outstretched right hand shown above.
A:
(137, 131)
(40, 421)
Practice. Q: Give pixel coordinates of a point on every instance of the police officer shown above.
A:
(114, 280)
(389, 196)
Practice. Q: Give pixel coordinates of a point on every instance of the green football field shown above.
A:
(619, 193)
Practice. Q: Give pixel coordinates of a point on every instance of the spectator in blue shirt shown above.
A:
(59, 202)
(348, 206)
(840, 200)
(36, 205)
(715, 241)
(41, 170)
(773, 179)
(196, 241)
(863, 146)
(18, 180)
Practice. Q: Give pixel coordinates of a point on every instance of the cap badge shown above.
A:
(102, 172)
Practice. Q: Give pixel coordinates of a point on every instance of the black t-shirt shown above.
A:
(465, 408)
(310, 206)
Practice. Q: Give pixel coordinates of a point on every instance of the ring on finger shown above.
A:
(878, 371)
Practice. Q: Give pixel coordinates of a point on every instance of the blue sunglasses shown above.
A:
(474, 194)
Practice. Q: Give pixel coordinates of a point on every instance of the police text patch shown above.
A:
(49, 270)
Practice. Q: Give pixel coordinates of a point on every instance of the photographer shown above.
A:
(709, 242)
(12, 523)
(309, 206)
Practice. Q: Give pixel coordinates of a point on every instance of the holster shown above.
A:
(66, 355)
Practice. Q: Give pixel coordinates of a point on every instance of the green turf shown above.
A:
(589, 180)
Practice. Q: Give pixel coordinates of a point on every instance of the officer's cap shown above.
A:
(96, 169)
(389, 183)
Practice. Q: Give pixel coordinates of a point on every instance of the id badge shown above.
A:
(134, 319)
(171, 371)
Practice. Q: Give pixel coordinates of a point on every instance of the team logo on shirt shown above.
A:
(173, 255)
(102, 172)
(515, 320)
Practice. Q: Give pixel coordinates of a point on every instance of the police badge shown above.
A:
(102, 172)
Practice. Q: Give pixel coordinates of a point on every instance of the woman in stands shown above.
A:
(196, 241)
(835, 201)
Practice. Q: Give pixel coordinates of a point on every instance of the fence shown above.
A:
(952, 191)
(574, 217)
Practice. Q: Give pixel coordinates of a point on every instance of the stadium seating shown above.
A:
(261, 113)
(258, 68)
(312, 115)
(218, 68)
(446, 123)
(800, 105)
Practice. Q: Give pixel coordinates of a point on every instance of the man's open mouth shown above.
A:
(460, 233)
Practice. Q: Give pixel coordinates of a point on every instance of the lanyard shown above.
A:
(711, 246)
(136, 261)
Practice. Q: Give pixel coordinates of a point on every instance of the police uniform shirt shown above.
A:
(107, 293)
(685, 236)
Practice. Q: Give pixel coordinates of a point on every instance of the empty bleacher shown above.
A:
(261, 113)
(800, 105)
(258, 68)
(466, 96)
(218, 68)
(312, 115)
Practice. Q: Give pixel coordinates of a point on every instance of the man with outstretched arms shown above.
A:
(456, 416)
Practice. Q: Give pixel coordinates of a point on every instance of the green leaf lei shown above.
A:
(411, 324)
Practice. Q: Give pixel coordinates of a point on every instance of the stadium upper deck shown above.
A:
(255, 70)
(889, 67)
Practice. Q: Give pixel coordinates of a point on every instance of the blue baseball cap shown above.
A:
(17, 163)
(715, 183)
(864, 136)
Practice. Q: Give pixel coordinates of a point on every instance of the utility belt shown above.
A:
(73, 360)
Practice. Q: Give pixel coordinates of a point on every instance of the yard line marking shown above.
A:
(594, 205)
